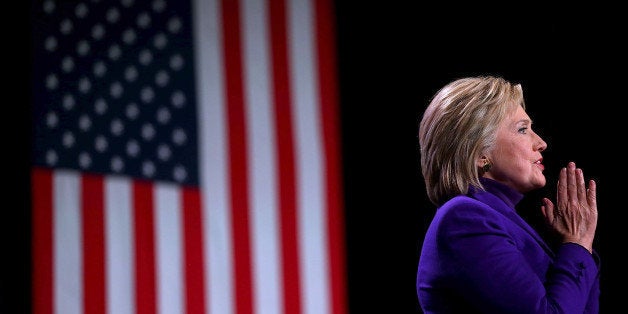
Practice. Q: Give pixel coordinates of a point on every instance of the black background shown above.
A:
(392, 57)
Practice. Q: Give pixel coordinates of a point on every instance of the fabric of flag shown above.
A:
(186, 157)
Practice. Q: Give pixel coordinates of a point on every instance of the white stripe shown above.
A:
(67, 235)
(119, 246)
(262, 160)
(308, 159)
(168, 242)
(214, 180)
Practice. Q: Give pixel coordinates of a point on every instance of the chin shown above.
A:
(534, 185)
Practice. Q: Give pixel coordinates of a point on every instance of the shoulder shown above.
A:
(469, 213)
(464, 206)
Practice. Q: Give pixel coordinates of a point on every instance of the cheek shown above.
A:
(504, 154)
(512, 158)
(521, 164)
(511, 150)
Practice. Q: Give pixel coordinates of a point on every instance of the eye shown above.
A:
(523, 130)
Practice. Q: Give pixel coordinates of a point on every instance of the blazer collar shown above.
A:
(504, 199)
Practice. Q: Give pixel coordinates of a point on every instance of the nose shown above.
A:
(540, 145)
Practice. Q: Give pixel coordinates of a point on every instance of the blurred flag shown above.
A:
(186, 158)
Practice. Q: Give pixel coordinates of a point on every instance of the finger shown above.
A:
(572, 190)
(548, 209)
(592, 195)
(561, 190)
(543, 210)
(582, 191)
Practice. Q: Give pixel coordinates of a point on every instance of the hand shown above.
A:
(574, 217)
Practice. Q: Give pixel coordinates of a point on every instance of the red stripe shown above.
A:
(285, 154)
(42, 244)
(145, 294)
(325, 36)
(93, 244)
(237, 156)
(193, 254)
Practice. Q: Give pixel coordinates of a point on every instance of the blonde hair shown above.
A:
(458, 126)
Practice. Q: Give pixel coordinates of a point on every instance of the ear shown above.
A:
(482, 161)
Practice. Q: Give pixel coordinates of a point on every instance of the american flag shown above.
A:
(186, 157)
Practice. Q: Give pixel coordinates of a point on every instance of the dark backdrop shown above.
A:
(392, 57)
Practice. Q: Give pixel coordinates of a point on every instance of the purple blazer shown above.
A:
(480, 256)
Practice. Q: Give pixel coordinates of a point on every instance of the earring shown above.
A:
(487, 166)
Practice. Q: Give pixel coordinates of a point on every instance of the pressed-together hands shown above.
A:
(574, 217)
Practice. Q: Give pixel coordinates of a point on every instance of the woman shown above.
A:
(479, 155)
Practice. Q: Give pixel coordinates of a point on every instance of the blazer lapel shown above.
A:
(500, 206)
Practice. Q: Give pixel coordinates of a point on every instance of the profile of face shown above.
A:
(516, 157)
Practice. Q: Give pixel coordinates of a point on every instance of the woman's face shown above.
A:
(516, 157)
